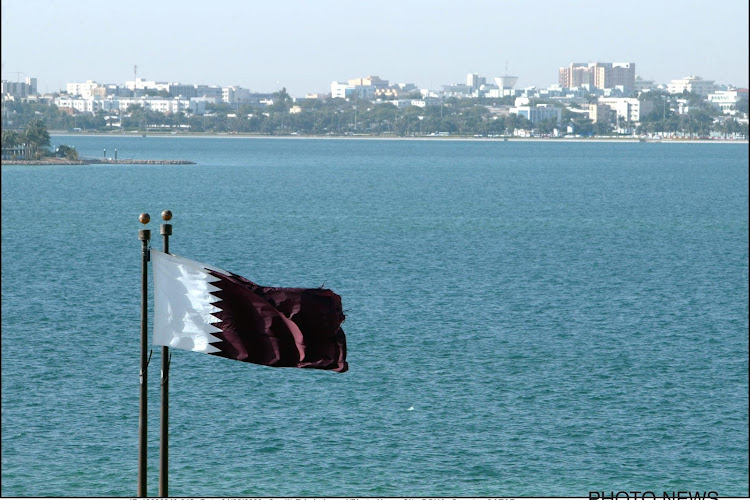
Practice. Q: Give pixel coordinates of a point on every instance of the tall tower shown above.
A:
(506, 82)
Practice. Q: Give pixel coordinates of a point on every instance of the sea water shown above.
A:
(523, 318)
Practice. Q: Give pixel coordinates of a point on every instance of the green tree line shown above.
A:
(463, 117)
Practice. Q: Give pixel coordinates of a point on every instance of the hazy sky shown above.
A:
(304, 45)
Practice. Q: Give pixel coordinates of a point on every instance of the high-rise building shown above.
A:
(598, 75)
(610, 75)
(19, 89)
(576, 75)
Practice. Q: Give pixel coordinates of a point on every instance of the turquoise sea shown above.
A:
(523, 318)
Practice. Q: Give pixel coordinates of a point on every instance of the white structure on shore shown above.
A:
(694, 84)
(629, 109)
(538, 113)
(727, 100)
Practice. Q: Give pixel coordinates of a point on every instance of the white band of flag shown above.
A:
(183, 304)
(202, 308)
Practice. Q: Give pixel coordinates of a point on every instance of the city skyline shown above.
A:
(304, 46)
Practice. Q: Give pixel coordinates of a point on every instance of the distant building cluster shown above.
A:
(162, 97)
(613, 86)
(19, 89)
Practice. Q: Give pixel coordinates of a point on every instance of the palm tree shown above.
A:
(11, 139)
(37, 137)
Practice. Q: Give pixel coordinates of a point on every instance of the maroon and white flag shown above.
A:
(202, 308)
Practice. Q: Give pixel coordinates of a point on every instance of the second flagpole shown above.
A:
(144, 235)
(166, 232)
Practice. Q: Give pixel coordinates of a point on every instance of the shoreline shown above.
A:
(131, 161)
(421, 138)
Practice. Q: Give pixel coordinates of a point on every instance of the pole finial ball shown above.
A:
(166, 215)
(144, 218)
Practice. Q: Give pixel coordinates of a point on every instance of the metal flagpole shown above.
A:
(144, 235)
(166, 231)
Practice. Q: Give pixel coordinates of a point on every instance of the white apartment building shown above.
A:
(167, 106)
(141, 84)
(457, 90)
(158, 104)
(628, 108)
(80, 104)
(500, 92)
(538, 113)
(345, 90)
(364, 88)
(235, 95)
(85, 90)
(341, 89)
(405, 103)
(693, 84)
(91, 88)
(92, 105)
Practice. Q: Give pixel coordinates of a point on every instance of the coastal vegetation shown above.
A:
(32, 143)
(340, 117)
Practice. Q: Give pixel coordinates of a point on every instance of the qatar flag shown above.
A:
(202, 308)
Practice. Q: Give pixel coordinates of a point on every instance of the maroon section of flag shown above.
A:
(293, 327)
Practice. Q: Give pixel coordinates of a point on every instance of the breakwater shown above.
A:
(93, 161)
(140, 162)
